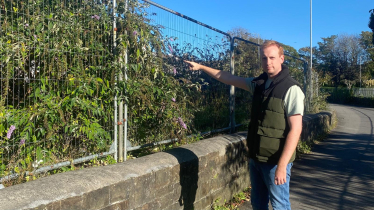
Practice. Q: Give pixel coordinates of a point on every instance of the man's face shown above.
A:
(271, 60)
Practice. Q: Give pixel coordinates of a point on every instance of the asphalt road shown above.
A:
(339, 172)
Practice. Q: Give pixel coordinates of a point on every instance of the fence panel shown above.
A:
(363, 92)
(198, 103)
(56, 82)
(247, 63)
(60, 61)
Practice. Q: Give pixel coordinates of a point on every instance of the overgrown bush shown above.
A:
(342, 95)
(337, 94)
(57, 82)
(61, 71)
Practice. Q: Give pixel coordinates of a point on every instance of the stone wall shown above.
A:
(191, 176)
(315, 125)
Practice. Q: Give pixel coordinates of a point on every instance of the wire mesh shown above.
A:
(200, 104)
(56, 82)
(247, 64)
(59, 70)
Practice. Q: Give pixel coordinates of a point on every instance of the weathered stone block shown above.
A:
(174, 206)
(121, 191)
(96, 199)
(205, 203)
(73, 203)
(164, 177)
(118, 206)
(143, 190)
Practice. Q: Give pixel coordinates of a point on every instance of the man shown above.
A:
(275, 126)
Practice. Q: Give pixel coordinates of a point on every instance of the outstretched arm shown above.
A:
(219, 75)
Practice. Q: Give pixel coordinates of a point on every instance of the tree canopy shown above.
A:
(339, 58)
(371, 22)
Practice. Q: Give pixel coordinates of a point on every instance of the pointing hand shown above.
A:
(193, 66)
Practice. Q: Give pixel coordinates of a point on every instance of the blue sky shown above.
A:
(285, 21)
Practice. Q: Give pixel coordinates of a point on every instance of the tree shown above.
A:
(338, 55)
(348, 52)
(366, 38)
(367, 58)
(371, 22)
(326, 56)
(304, 52)
(295, 66)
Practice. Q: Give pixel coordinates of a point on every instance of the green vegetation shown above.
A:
(371, 22)
(61, 67)
(52, 94)
(234, 203)
(338, 58)
(60, 75)
(351, 96)
(61, 80)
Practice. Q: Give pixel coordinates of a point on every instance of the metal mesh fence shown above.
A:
(56, 81)
(205, 100)
(247, 64)
(363, 92)
(64, 64)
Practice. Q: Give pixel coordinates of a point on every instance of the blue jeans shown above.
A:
(263, 187)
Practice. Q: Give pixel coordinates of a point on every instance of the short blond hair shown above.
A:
(269, 43)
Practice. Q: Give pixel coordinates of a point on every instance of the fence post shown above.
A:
(232, 88)
(115, 84)
(119, 144)
(125, 117)
(311, 85)
(310, 88)
(306, 86)
(317, 84)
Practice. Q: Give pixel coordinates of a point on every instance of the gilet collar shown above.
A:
(280, 76)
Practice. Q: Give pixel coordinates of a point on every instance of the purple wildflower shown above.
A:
(35, 36)
(171, 49)
(181, 123)
(173, 99)
(95, 17)
(26, 25)
(135, 33)
(175, 71)
(56, 58)
(10, 131)
(22, 142)
(171, 39)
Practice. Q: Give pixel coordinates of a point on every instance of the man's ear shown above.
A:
(282, 58)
